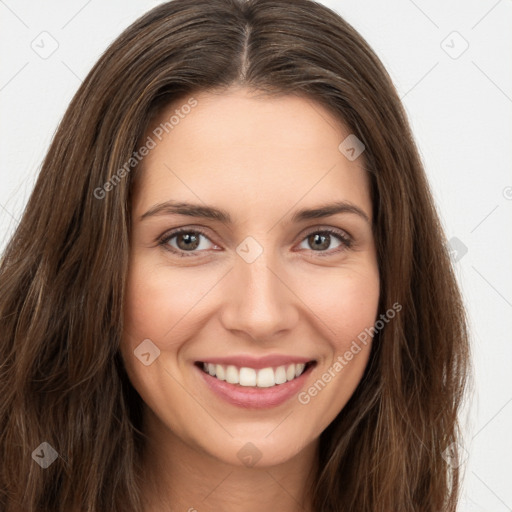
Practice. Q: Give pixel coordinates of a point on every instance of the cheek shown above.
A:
(156, 299)
(348, 307)
(346, 303)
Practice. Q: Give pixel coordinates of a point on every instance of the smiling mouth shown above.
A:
(252, 377)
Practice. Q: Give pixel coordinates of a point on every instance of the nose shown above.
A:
(259, 301)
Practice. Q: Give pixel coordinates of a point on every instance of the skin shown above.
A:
(260, 159)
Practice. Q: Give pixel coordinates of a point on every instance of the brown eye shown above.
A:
(321, 241)
(186, 241)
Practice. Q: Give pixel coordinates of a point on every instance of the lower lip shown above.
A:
(250, 397)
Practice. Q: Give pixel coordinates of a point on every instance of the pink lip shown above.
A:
(257, 362)
(252, 397)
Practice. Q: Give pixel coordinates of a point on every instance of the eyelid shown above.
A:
(329, 229)
(344, 237)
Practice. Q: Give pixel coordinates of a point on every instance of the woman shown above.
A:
(230, 288)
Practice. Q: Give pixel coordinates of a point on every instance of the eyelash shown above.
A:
(346, 241)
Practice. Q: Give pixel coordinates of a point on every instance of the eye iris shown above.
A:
(191, 241)
(319, 241)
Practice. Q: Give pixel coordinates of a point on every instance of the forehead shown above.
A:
(240, 116)
(242, 148)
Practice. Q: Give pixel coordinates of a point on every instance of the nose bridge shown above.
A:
(260, 284)
(259, 301)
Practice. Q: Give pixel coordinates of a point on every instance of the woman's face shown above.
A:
(254, 292)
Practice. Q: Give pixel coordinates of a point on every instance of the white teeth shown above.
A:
(266, 378)
(280, 375)
(232, 375)
(263, 378)
(247, 377)
(219, 372)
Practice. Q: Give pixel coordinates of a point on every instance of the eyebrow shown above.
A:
(210, 212)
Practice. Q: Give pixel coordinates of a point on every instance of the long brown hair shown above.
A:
(62, 380)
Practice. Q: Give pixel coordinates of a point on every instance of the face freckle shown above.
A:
(251, 275)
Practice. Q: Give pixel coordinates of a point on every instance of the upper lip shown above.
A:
(248, 361)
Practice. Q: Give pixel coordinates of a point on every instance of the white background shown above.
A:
(460, 111)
